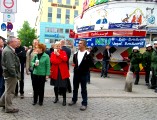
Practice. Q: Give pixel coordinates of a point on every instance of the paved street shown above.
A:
(107, 101)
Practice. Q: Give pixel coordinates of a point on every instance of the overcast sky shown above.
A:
(26, 11)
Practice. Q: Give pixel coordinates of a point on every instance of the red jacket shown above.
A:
(61, 63)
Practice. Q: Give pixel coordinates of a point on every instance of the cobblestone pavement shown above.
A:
(107, 101)
(98, 109)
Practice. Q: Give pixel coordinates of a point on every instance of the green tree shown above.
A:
(26, 34)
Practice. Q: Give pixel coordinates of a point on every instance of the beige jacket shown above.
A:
(29, 57)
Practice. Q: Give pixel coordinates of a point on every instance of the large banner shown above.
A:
(114, 41)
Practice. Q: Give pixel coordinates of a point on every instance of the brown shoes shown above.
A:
(12, 110)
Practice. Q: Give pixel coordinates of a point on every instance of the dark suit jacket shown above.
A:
(68, 52)
(21, 53)
(84, 66)
(105, 55)
(1, 70)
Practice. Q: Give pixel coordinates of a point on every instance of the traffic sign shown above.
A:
(3, 27)
(9, 26)
(7, 17)
(8, 6)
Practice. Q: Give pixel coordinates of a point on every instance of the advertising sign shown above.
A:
(86, 28)
(8, 6)
(114, 41)
(123, 25)
(7, 17)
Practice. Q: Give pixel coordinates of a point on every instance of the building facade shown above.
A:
(55, 19)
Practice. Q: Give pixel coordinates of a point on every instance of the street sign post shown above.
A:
(3, 27)
(8, 6)
(7, 17)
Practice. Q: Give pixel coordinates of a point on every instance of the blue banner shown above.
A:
(86, 28)
(123, 25)
(114, 41)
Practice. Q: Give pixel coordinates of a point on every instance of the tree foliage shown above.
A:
(26, 34)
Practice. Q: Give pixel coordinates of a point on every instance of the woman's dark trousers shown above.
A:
(38, 83)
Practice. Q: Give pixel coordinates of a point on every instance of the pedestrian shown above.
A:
(29, 56)
(154, 67)
(82, 61)
(146, 62)
(89, 50)
(59, 72)
(135, 59)
(105, 62)
(68, 52)
(41, 72)
(11, 72)
(21, 53)
(2, 87)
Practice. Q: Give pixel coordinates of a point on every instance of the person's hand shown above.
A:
(47, 77)
(57, 53)
(27, 72)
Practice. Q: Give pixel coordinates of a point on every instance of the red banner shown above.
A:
(132, 33)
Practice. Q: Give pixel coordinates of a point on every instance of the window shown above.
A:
(68, 2)
(75, 13)
(58, 15)
(67, 31)
(59, 1)
(67, 16)
(77, 2)
(50, 0)
(49, 14)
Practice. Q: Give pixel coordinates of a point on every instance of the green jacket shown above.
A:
(10, 63)
(44, 65)
(146, 59)
(135, 60)
(154, 61)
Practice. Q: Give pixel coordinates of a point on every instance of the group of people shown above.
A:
(149, 63)
(42, 66)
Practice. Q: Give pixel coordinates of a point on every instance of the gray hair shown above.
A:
(10, 39)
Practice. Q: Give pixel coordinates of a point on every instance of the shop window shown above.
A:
(67, 31)
(59, 1)
(77, 2)
(68, 2)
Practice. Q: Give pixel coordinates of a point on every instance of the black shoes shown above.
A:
(34, 103)
(64, 102)
(72, 103)
(40, 103)
(56, 100)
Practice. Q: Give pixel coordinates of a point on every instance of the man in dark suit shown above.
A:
(68, 52)
(82, 61)
(21, 53)
(105, 62)
(1, 70)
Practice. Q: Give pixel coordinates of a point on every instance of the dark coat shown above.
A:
(1, 70)
(21, 53)
(154, 61)
(105, 55)
(10, 63)
(84, 66)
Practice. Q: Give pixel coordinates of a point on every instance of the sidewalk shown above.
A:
(100, 87)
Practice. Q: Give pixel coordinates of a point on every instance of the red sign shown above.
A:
(132, 33)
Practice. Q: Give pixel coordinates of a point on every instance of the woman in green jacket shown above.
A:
(135, 59)
(41, 72)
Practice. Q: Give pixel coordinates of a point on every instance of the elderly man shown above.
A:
(11, 72)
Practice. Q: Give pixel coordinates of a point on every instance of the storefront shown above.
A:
(120, 24)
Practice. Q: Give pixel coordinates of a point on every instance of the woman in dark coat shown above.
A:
(59, 72)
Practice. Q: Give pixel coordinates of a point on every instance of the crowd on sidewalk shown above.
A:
(41, 64)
